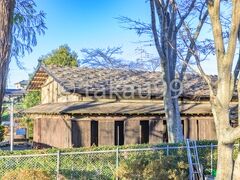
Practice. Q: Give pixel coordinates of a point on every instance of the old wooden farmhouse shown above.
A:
(84, 107)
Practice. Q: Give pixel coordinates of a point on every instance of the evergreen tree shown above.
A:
(63, 56)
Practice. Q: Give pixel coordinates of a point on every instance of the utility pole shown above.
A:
(11, 125)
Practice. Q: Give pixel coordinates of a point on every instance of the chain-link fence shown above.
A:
(15, 163)
(88, 165)
(108, 164)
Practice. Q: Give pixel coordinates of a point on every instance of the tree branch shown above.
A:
(213, 9)
(232, 135)
(154, 30)
(237, 69)
(195, 36)
(234, 32)
(193, 51)
(182, 19)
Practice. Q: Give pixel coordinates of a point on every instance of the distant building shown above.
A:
(17, 94)
(70, 114)
(21, 85)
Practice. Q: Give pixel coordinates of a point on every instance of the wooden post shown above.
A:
(117, 159)
(11, 125)
(140, 138)
(58, 164)
(211, 158)
(167, 151)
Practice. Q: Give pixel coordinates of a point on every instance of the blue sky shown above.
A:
(84, 24)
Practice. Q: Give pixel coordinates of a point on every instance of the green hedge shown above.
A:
(27, 174)
(98, 148)
(1, 133)
(131, 164)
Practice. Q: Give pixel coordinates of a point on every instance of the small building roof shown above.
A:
(23, 82)
(91, 80)
(14, 92)
(115, 108)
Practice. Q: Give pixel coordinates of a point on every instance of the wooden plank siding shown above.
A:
(53, 131)
(59, 131)
(207, 129)
(52, 92)
(132, 131)
(156, 131)
(193, 129)
(81, 133)
(106, 132)
(199, 128)
(37, 130)
(203, 129)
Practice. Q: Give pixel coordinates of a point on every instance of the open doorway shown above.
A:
(119, 133)
(182, 121)
(198, 131)
(144, 132)
(94, 133)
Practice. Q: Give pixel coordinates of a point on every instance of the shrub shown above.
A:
(166, 168)
(151, 166)
(1, 133)
(27, 174)
(132, 165)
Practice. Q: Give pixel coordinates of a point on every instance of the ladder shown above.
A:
(195, 171)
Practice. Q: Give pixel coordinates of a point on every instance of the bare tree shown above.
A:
(169, 17)
(220, 100)
(111, 58)
(147, 61)
(166, 25)
(19, 24)
(103, 58)
(228, 79)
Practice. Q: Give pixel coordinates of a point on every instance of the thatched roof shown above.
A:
(115, 108)
(89, 81)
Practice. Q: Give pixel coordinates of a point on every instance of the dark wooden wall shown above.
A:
(196, 128)
(54, 131)
(199, 128)
(61, 132)
(132, 131)
(81, 133)
(106, 132)
(156, 131)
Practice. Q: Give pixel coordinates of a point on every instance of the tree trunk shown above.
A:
(6, 23)
(225, 161)
(172, 114)
(178, 122)
(168, 56)
(236, 172)
(174, 126)
(3, 81)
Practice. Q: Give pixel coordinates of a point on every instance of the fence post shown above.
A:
(211, 158)
(58, 164)
(167, 151)
(117, 159)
